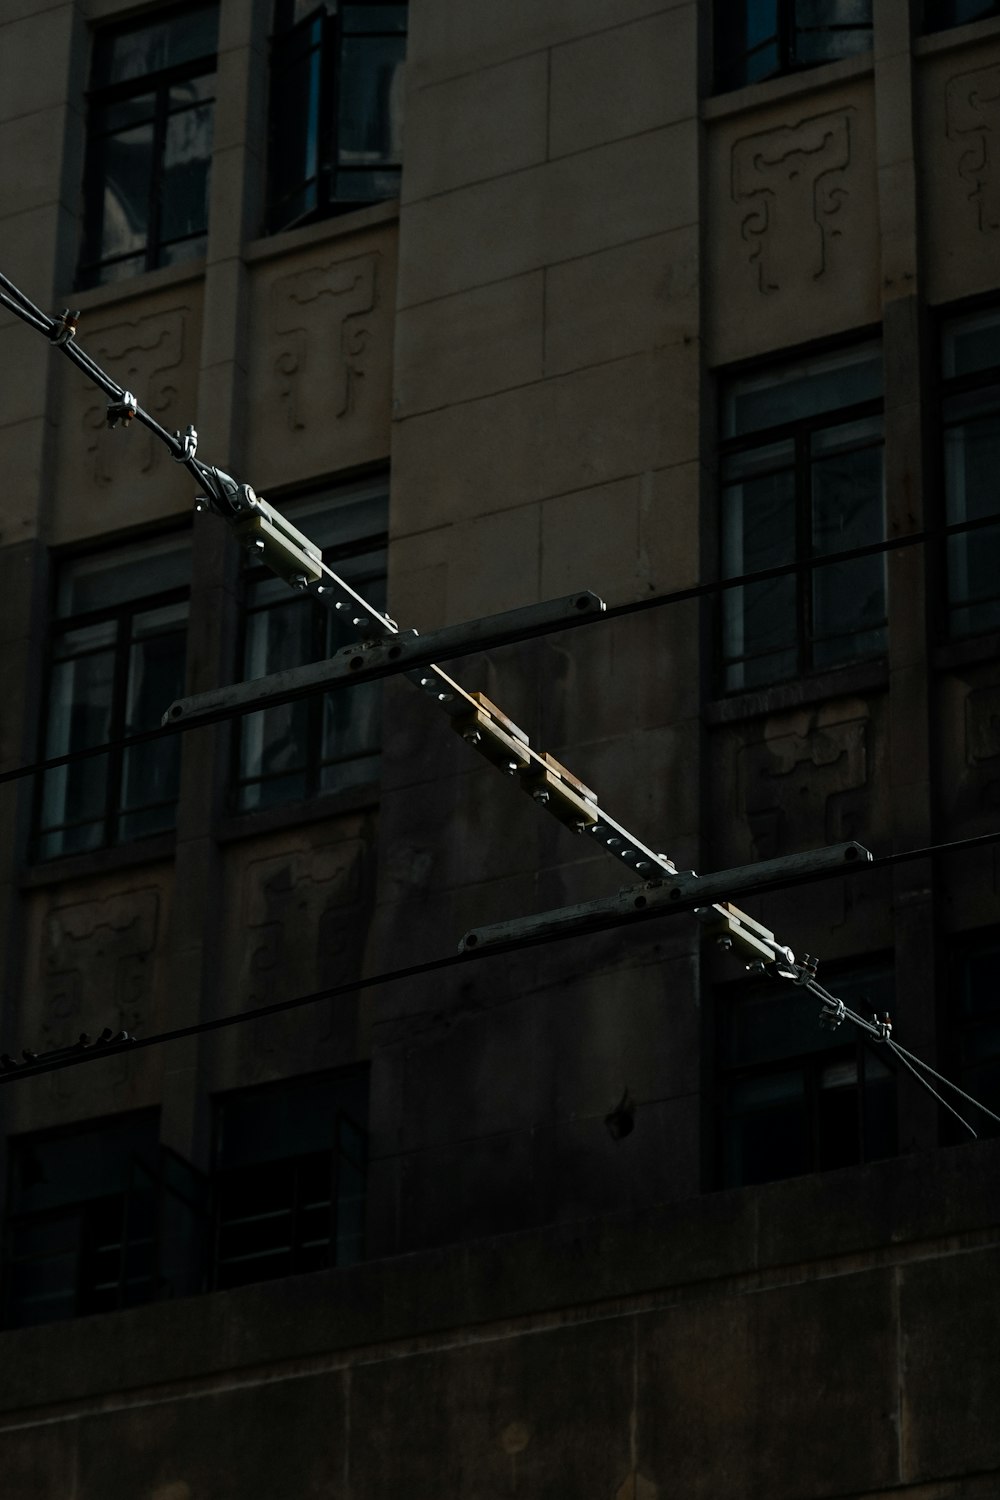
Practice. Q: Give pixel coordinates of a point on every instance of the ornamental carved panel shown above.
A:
(107, 478)
(800, 789)
(792, 184)
(320, 358)
(144, 355)
(299, 925)
(322, 335)
(972, 113)
(98, 965)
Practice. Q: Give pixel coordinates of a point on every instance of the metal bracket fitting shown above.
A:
(122, 411)
(64, 327)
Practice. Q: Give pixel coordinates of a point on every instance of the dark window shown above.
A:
(336, 109)
(320, 743)
(117, 662)
(971, 415)
(757, 39)
(795, 1097)
(973, 1040)
(290, 1172)
(149, 144)
(941, 14)
(98, 1217)
(801, 467)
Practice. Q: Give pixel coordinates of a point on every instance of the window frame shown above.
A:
(297, 1163)
(953, 1028)
(314, 703)
(946, 389)
(799, 431)
(122, 615)
(98, 98)
(329, 51)
(729, 68)
(849, 1047)
(150, 1159)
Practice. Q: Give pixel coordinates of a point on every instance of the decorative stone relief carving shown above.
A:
(982, 743)
(318, 319)
(301, 932)
(794, 181)
(972, 111)
(140, 355)
(97, 971)
(803, 789)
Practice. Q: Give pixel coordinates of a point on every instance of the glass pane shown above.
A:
(150, 772)
(775, 1023)
(80, 702)
(124, 167)
(839, 1126)
(88, 1162)
(281, 1121)
(971, 344)
(759, 619)
(828, 29)
(767, 1133)
(805, 389)
(370, 108)
(373, 18)
(182, 250)
(133, 51)
(187, 151)
(294, 122)
(107, 579)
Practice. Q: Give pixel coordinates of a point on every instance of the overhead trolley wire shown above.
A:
(72, 1057)
(296, 559)
(612, 612)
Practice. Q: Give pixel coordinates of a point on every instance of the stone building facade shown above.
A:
(656, 300)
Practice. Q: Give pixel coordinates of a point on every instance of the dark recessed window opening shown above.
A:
(321, 743)
(794, 1097)
(973, 1035)
(99, 1217)
(336, 107)
(758, 39)
(116, 663)
(939, 15)
(971, 422)
(802, 478)
(149, 144)
(290, 1175)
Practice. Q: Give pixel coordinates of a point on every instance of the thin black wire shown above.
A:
(452, 960)
(19, 303)
(394, 669)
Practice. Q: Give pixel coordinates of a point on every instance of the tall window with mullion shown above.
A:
(758, 39)
(971, 416)
(117, 661)
(794, 1097)
(289, 1177)
(99, 1216)
(149, 144)
(336, 108)
(802, 479)
(323, 743)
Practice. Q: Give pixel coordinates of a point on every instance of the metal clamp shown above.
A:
(833, 1012)
(122, 411)
(188, 441)
(64, 327)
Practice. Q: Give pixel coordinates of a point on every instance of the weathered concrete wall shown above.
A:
(828, 1337)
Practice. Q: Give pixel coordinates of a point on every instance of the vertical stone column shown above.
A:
(906, 468)
(234, 211)
(40, 132)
